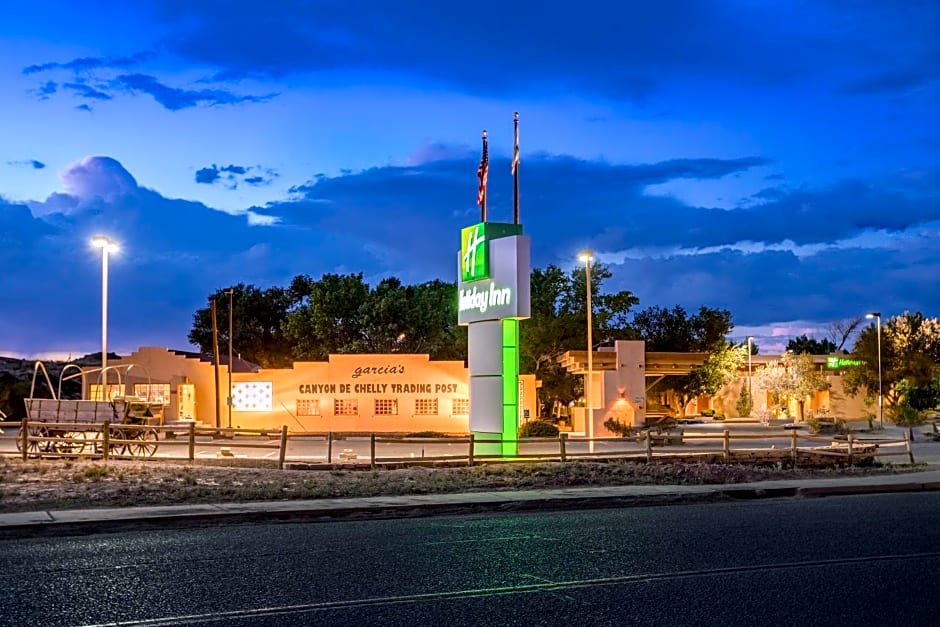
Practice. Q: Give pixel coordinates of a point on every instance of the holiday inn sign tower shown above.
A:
(493, 287)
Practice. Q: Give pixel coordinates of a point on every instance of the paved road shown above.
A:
(840, 560)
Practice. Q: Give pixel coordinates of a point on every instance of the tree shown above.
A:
(674, 330)
(791, 378)
(840, 331)
(257, 316)
(745, 403)
(718, 370)
(810, 346)
(910, 350)
(913, 401)
(558, 323)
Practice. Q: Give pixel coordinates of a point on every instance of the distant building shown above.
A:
(394, 393)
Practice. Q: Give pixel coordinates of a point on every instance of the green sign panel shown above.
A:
(834, 363)
(474, 262)
(475, 250)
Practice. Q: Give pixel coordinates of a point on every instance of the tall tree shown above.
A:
(910, 350)
(840, 331)
(810, 346)
(329, 317)
(559, 323)
(256, 324)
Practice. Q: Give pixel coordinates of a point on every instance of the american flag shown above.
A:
(483, 172)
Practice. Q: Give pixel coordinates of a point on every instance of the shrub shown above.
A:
(618, 427)
(718, 416)
(538, 429)
(745, 403)
(427, 434)
(707, 412)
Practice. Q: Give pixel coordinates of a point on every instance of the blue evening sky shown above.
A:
(778, 159)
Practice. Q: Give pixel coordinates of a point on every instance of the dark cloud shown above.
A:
(233, 175)
(83, 107)
(85, 64)
(86, 91)
(44, 91)
(30, 163)
(894, 81)
(552, 46)
(175, 99)
(404, 221)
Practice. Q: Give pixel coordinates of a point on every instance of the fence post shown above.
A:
(329, 447)
(649, 447)
(562, 440)
(470, 456)
(727, 448)
(851, 461)
(105, 439)
(192, 442)
(793, 446)
(283, 451)
(24, 436)
(372, 451)
(910, 451)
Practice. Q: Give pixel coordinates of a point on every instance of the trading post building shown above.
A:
(394, 393)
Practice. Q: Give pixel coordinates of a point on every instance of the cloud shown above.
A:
(175, 99)
(29, 163)
(86, 91)
(232, 175)
(85, 64)
(652, 43)
(828, 254)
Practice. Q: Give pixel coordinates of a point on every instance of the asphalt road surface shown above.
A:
(863, 560)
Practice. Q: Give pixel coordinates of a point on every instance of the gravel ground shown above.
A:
(62, 484)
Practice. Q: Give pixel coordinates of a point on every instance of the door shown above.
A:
(186, 401)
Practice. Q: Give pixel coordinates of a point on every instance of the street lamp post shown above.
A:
(231, 295)
(107, 246)
(881, 412)
(750, 339)
(587, 257)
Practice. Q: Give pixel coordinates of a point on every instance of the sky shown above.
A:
(777, 159)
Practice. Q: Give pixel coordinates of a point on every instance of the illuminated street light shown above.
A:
(587, 257)
(881, 411)
(107, 246)
(750, 341)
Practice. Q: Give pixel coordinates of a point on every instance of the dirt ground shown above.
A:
(63, 484)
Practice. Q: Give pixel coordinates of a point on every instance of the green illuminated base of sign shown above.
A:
(510, 350)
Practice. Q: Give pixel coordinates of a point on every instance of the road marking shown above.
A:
(555, 587)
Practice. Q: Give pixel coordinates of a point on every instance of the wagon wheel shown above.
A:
(144, 443)
(33, 447)
(69, 448)
(117, 448)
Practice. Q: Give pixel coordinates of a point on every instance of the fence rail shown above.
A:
(126, 441)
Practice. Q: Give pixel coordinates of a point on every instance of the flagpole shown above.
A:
(515, 168)
(482, 174)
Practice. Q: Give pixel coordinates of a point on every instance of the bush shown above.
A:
(538, 429)
(427, 434)
(708, 412)
(618, 427)
(718, 416)
(745, 403)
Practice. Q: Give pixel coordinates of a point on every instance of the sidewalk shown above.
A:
(163, 517)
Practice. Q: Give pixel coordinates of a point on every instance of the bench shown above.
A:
(934, 433)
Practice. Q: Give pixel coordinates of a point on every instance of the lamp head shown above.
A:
(586, 256)
(104, 243)
(874, 314)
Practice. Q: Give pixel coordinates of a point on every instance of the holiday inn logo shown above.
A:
(474, 261)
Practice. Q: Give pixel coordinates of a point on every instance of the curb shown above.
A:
(83, 522)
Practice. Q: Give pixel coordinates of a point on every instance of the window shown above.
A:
(114, 390)
(346, 407)
(308, 407)
(386, 407)
(425, 406)
(153, 392)
(461, 406)
(252, 396)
